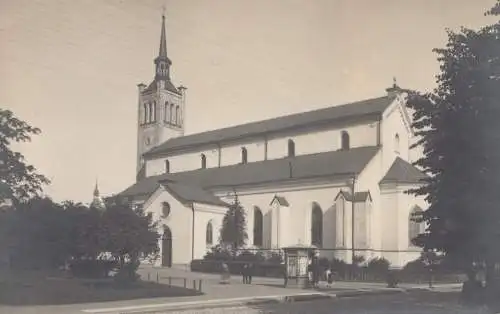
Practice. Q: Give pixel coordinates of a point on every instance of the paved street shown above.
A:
(412, 303)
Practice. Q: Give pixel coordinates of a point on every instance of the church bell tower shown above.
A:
(161, 106)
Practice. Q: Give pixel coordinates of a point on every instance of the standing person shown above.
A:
(244, 272)
(329, 277)
(250, 273)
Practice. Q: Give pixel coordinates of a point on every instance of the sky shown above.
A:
(71, 68)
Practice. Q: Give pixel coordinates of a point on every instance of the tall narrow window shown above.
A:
(203, 161)
(210, 234)
(172, 116)
(177, 115)
(416, 224)
(167, 166)
(316, 225)
(244, 155)
(345, 141)
(151, 112)
(396, 143)
(258, 227)
(166, 115)
(291, 148)
(154, 111)
(146, 113)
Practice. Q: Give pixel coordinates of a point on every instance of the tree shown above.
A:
(130, 234)
(459, 130)
(20, 180)
(233, 231)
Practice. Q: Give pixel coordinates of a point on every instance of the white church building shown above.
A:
(308, 178)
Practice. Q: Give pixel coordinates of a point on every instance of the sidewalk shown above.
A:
(262, 290)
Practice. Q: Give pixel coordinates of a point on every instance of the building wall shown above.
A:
(258, 149)
(203, 215)
(179, 221)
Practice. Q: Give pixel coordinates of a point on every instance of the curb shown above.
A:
(267, 300)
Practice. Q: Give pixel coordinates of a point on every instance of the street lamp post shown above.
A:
(353, 252)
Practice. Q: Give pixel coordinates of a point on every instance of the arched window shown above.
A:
(396, 143)
(146, 113)
(291, 148)
(165, 209)
(203, 161)
(416, 224)
(345, 141)
(150, 110)
(177, 115)
(154, 111)
(244, 155)
(172, 116)
(166, 115)
(316, 225)
(167, 166)
(258, 226)
(209, 234)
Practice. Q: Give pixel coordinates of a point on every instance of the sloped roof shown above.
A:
(190, 193)
(281, 200)
(402, 171)
(338, 164)
(168, 86)
(361, 196)
(365, 109)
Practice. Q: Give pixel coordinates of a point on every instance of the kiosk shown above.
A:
(297, 260)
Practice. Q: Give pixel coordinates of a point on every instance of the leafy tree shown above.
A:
(233, 231)
(18, 179)
(130, 234)
(459, 130)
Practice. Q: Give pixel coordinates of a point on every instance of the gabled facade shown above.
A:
(304, 178)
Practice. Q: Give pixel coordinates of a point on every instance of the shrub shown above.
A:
(127, 273)
(378, 265)
(92, 268)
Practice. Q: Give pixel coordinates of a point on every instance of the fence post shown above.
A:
(194, 284)
(157, 277)
(149, 279)
(169, 281)
(199, 285)
(185, 282)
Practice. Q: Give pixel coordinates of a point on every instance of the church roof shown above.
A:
(338, 164)
(402, 171)
(370, 109)
(190, 193)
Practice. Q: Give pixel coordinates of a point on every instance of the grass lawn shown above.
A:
(36, 288)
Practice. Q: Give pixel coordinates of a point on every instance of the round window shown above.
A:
(165, 209)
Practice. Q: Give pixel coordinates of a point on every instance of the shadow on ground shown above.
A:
(415, 302)
(59, 291)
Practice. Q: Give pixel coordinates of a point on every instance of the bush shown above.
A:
(378, 265)
(92, 268)
(127, 273)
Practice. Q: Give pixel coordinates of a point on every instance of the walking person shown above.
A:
(329, 278)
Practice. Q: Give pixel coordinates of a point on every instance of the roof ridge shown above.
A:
(366, 107)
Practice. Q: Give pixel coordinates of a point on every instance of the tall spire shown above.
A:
(162, 62)
(163, 37)
(96, 189)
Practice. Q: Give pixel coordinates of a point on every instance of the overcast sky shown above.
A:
(71, 67)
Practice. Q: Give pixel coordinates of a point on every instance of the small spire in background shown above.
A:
(394, 82)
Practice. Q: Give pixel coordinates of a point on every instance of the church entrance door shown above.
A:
(166, 247)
